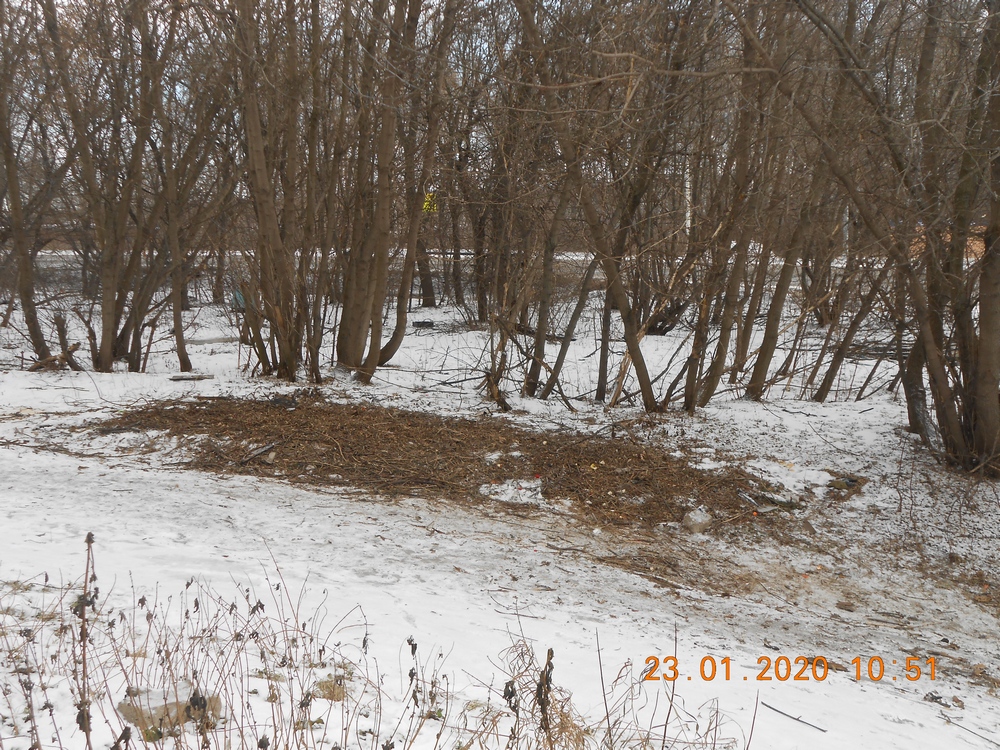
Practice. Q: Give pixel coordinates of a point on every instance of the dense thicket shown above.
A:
(756, 174)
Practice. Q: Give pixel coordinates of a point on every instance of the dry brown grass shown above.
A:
(394, 452)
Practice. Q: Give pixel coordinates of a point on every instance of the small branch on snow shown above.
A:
(565, 549)
(951, 721)
(793, 718)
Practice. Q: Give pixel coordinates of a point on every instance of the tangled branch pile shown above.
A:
(396, 452)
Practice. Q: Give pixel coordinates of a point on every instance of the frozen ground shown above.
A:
(904, 567)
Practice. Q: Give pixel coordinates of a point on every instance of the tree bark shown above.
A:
(546, 291)
(22, 251)
(415, 250)
(986, 435)
(571, 156)
(402, 34)
(758, 378)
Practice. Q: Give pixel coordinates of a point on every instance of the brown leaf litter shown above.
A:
(393, 452)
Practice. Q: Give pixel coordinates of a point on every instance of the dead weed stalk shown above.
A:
(200, 670)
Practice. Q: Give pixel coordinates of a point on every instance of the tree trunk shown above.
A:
(25, 265)
(758, 378)
(402, 34)
(547, 289)
(574, 318)
(415, 248)
(845, 344)
(571, 157)
(986, 435)
(602, 368)
(276, 276)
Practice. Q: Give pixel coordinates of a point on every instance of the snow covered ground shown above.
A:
(905, 567)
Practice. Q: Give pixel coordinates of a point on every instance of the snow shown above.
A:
(518, 492)
(889, 570)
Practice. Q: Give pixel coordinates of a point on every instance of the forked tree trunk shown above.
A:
(355, 319)
(22, 252)
(546, 291)
(275, 260)
(416, 251)
(574, 318)
(571, 156)
(729, 309)
(740, 187)
(848, 339)
(376, 246)
(758, 378)
(986, 434)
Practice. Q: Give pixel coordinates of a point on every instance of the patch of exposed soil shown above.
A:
(400, 453)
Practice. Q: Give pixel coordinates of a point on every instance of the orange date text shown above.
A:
(790, 669)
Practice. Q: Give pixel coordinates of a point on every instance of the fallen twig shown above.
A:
(56, 361)
(191, 376)
(565, 549)
(794, 718)
(949, 720)
(259, 452)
